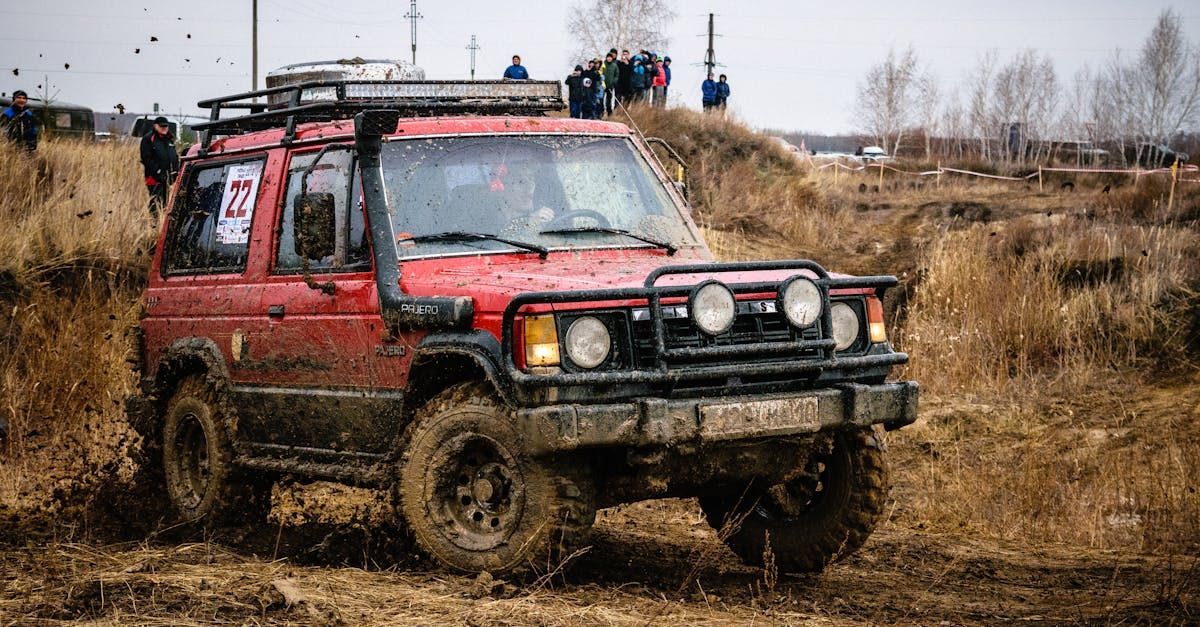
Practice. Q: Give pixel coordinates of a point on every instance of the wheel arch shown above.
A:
(445, 359)
(183, 358)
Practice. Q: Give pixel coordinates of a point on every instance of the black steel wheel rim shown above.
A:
(478, 492)
(192, 463)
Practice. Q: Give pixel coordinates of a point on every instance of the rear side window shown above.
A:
(210, 223)
(334, 174)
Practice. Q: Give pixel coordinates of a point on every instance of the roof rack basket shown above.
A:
(326, 100)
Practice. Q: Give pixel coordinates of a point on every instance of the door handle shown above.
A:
(275, 311)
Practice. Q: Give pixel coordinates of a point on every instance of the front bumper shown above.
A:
(656, 422)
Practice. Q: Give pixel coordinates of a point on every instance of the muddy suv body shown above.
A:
(354, 299)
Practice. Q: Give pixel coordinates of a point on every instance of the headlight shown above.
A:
(800, 300)
(713, 308)
(588, 342)
(845, 325)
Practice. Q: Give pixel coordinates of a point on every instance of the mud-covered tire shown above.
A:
(808, 523)
(474, 501)
(201, 482)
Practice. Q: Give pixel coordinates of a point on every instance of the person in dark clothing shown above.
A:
(19, 123)
(611, 77)
(666, 68)
(160, 162)
(708, 93)
(650, 69)
(722, 92)
(592, 105)
(575, 92)
(624, 77)
(516, 71)
(638, 79)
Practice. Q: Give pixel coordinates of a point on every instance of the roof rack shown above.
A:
(326, 100)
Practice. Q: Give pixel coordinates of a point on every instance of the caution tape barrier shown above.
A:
(943, 170)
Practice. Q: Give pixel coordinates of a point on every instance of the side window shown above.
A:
(210, 223)
(335, 174)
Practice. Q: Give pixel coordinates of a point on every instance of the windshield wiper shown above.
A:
(670, 248)
(466, 236)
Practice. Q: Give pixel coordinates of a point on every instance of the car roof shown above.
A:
(421, 127)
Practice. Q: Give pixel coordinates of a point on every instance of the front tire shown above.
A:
(474, 501)
(812, 520)
(201, 481)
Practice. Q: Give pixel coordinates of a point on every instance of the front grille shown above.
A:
(757, 323)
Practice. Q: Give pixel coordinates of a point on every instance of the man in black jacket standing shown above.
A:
(160, 162)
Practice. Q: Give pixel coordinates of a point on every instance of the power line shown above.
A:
(100, 73)
(122, 18)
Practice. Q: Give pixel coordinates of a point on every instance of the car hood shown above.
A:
(493, 280)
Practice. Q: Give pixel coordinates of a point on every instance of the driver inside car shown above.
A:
(519, 210)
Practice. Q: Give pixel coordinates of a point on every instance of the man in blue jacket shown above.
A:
(708, 92)
(516, 71)
(19, 123)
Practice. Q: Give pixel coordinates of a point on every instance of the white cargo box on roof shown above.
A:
(356, 69)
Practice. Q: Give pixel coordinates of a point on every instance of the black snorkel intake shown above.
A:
(400, 311)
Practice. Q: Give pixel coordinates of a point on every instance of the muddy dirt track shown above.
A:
(651, 563)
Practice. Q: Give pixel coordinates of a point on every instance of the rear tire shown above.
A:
(201, 482)
(813, 520)
(475, 501)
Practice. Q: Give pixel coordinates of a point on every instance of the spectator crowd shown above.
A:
(594, 89)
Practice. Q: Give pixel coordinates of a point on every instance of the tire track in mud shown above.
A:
(650, 562)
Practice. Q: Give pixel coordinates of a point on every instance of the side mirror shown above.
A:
(314, 225)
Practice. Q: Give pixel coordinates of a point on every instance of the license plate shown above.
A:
(751, 419)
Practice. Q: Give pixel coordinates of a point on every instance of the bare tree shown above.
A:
(600, 25)
(928, 102)
(953, 125)
(979, 112)
(1024, 100)
(1167, 81)
(885, 101)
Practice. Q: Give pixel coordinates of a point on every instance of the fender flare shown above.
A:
(479, 346)
(182, 356)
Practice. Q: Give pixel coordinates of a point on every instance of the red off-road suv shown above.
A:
(508, 321)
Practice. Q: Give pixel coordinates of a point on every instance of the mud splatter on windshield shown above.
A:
(552, 191)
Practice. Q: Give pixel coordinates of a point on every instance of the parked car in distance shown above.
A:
(872, 154)
(1080, 153)
(1151, 155)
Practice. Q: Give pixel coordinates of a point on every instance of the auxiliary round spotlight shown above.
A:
(712, 307)
(800, 300)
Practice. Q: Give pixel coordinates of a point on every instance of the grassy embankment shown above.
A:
(1053, 332)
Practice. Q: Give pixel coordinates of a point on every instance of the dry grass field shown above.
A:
(1052, 476)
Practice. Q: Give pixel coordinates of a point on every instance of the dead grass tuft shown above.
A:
(72, 262)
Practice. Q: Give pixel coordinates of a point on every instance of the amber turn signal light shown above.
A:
(875, 327)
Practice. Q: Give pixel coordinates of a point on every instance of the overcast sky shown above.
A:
(792, 64)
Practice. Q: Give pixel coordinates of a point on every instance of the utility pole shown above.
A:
(473, 47)
(413, 16)
(254, 46)
(710, 57)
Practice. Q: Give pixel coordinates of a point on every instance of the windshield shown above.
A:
(543, 190)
